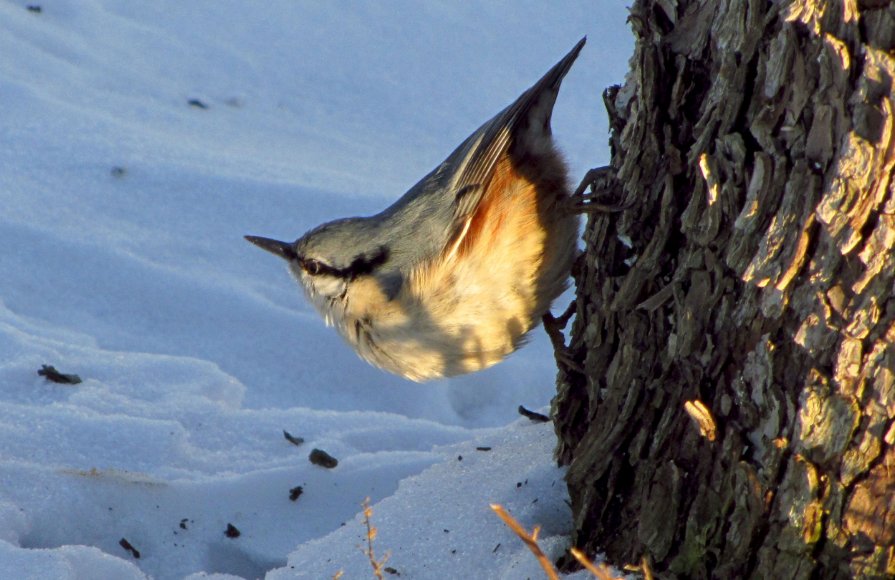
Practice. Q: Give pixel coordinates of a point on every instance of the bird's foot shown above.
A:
(603, 185)
(554, 325)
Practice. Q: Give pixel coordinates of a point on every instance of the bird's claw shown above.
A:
(554, 326)
(603, 185)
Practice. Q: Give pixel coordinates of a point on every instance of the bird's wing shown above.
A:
(484, 148)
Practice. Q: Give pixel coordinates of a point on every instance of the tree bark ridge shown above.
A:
(748, 293)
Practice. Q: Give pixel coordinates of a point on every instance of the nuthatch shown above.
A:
(451, 277)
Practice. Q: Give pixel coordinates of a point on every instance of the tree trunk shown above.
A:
(729, 410)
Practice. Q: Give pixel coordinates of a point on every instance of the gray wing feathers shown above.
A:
(487, 145)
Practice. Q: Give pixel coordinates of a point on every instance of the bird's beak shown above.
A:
(281, 249)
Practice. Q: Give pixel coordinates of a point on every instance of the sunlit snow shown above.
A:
(139, 141)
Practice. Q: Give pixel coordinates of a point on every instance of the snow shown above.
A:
(122, 260)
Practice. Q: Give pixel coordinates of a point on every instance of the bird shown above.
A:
(452, 277)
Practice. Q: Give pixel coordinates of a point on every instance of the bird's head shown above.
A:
(328, 259)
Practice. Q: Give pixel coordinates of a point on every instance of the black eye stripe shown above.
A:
(316, 267)
(312, 267)
(361, 265)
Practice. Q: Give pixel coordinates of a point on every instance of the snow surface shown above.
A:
(122, 260)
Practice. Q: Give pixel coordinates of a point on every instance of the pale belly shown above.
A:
(473, 306)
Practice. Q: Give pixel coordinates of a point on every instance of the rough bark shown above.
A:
(730, 408)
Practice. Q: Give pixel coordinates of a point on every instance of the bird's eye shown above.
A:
(312, 267)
